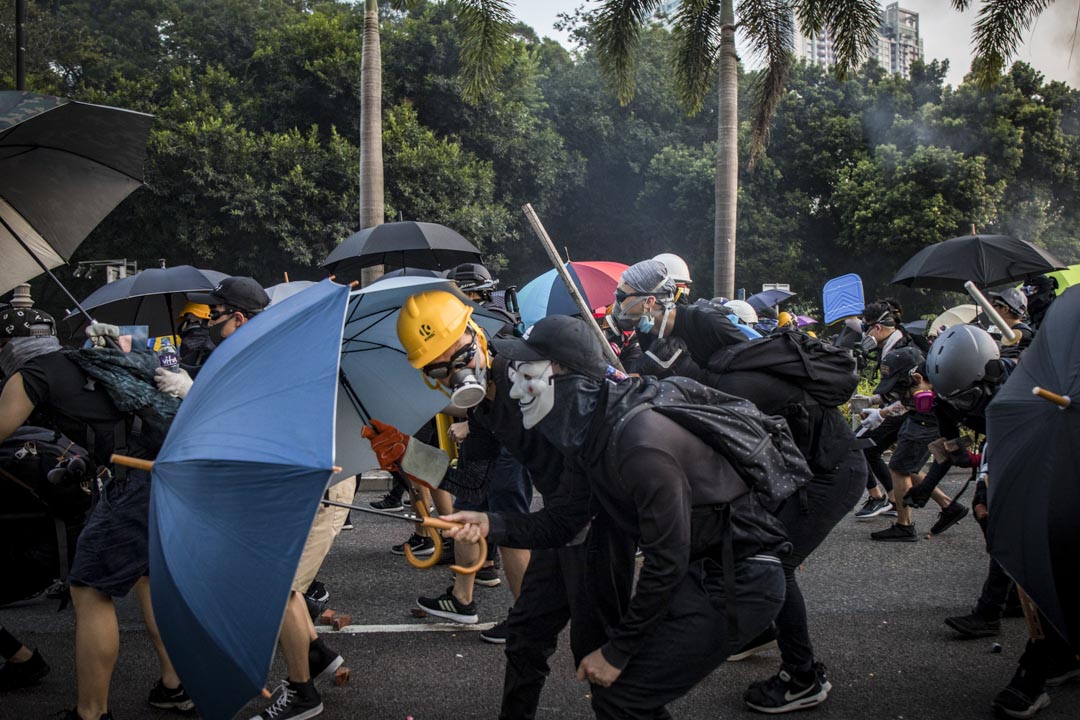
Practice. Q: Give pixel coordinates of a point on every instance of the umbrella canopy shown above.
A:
(64, 166)
(1033, 458)
(768, 298)
(916, 327)
(1068, 277)
(804, 320)
(377, 380)
(959, 315)
(150, 297)
(596, 280)
(400, 244)
(986, 260)
(285, 290)
(253, 439)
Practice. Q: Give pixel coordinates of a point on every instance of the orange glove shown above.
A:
(388, 443)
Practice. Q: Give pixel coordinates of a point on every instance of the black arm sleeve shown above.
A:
(563, 519)
(661, 495)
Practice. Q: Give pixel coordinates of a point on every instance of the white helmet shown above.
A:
(676, 267)
(744, 310)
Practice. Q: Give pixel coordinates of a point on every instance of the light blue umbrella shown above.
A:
(234, 492)
(377, 380)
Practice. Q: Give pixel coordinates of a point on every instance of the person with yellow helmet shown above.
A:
(195, 344)
(441, 340)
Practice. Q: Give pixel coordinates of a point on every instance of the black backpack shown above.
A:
(824, 372)
(759, 447)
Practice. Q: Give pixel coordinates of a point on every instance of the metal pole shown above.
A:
(586, 311)
(20, 44)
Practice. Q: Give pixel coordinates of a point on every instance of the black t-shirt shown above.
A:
(60, 390)
(705, 329)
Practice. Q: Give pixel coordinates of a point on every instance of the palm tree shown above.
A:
(704, 35)
(998, 31)
(372, 199)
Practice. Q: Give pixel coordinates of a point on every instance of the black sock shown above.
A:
(8, 644)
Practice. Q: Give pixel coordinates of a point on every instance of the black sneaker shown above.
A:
(873, 507)
(293, 701)
(323, 662)
(822, 677)
(388, 504)
(896, 533)
(488, 577)
(1021, 698)
(783, 693)
(163, 698)
(421, 545)
(347, 525)
(765, 641)
(496, 635)
(1062, 672)
(974, 626)
(15, 675)
(447, 606)
(951, 514)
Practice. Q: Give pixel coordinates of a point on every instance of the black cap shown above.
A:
(26, 322)
(241, 293)
(897, 367)
(561, 338)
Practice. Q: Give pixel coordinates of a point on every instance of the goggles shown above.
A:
(621, 295)
(218, 314)
(458, 361)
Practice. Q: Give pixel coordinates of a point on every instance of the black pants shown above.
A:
(551, 595)
(692, 639)
(828, 498)
(995, 589)
(884, 435)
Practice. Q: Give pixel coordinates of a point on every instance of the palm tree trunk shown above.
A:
(372, 208)
(727, 158)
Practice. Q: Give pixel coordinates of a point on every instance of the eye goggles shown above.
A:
(458, 361)
(218, 314)
(621, 295)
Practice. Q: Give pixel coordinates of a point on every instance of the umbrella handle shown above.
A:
(430, 522)
(131, 462)
(420, 506)
(1062, 401)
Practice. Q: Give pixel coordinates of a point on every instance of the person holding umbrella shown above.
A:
(112, 557)
(1012, 305)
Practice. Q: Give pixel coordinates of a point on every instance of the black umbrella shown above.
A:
(64, 166)
(150, 297)
(401, 244)
(986, 260)
(768, 298)
(1033, 458)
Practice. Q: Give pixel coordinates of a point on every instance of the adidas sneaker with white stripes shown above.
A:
(447, 606)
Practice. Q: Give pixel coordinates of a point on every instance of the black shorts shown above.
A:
(113, 549)
(912, 443)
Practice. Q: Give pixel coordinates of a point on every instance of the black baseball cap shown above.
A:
(561, 338)
(241, 293)
(896, 366)
(26, 322)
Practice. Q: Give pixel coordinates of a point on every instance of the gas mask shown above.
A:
(533, 388)
(643, 322)
(967, 400)
(468, 385)
(868, 344)
(923, 401)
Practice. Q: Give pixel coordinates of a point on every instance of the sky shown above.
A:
(946, 34)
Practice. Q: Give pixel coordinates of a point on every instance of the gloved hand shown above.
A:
(388, 443)
(98, 332)
(172, 383)
(871, 419)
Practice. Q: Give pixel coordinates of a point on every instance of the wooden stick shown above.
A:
(1062, 401)
(586, 311)
(286, 276)
(1006, 332)
(136, 463)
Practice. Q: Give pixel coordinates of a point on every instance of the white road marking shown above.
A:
(406, 628)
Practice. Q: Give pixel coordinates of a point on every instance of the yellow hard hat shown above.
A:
(429, 323)
(197, 309)
(784, 319)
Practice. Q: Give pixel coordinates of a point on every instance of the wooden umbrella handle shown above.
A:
(441, 524)
(131, 462)
(1062, 401)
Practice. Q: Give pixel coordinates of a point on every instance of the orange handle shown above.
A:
(420, 506)
(1062, 401)
(430, 522)
(128, 461)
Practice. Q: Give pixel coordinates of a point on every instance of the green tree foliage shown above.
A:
(252, 160)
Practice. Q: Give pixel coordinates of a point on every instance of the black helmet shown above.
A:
(26, 322)
(959, 358)
(473, 277)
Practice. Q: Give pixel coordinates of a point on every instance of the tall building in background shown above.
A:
(898, 42)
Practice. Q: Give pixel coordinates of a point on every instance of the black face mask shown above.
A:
(967, 400)
(567, 424)
(214, 331)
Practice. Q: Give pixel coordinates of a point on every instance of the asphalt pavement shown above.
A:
(875, 609)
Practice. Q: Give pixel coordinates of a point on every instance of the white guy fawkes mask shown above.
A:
(533, 389)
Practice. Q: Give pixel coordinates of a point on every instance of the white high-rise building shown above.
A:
(898, 42)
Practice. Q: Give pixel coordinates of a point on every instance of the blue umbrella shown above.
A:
(377, 380)
(749, 332)
(769, 298)
(254, 438)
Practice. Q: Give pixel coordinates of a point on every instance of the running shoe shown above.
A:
(293, 701)
(1021, 698)
(896, 533)
(873, 507)
(323, 662)
(447, 606)
(388, 504)
(782, 693)
(496, 634)
(15, 675)
(165, 698)
(951, 514)
(974, 626)
(421, 545)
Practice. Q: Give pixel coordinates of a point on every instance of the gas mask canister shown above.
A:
(468, 383)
